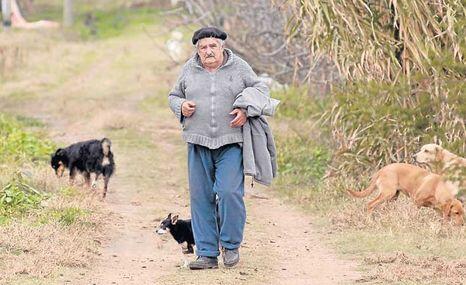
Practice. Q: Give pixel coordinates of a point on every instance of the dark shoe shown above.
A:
(230, 257)
(203, 262)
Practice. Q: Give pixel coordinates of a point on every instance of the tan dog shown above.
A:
(439, 159)
(451, 166)
(425, 188)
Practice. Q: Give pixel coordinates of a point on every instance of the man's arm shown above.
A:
(255, 98)
(177, 96)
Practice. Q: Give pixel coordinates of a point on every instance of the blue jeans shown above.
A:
(216, 171)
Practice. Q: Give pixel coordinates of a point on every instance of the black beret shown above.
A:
(208, 32)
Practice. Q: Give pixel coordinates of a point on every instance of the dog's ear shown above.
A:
(439, 155)
(175, 219)
(447, 209)
(169, 216)
(59, 151)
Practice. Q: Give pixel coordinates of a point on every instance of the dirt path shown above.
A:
(121, 95)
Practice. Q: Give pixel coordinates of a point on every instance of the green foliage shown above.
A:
(17, 144)
(301, 161)
(69, 192)
(104, 24)
(18, 197)
(374, 124)
(295, 103)
(66, 216)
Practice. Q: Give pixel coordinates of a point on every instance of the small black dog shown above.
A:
(181, 231)
(93, 156)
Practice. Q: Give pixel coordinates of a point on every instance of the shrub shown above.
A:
(16, 144)
(375, 123)
(295, 103)
(301, 161)
(18, 197)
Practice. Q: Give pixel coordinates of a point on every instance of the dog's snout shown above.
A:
(160, 231)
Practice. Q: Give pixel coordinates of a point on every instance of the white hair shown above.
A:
(220, 41)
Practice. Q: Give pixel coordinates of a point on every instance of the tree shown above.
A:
(68, 13)
(6, 12)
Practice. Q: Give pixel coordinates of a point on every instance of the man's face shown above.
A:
(210, 52)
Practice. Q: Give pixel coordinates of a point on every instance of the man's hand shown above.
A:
(188, 108)
(240, 118)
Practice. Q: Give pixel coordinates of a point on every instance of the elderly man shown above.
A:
(202, 99)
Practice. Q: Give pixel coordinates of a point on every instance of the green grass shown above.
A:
(104, 24)
(296, 103)
(18, 144)
(18, 197)
(21, 194)
(381, 242)
(96, 21)
(65, 216)
(301, 161)
(158, 101)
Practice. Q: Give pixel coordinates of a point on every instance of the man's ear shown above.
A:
(174, 219)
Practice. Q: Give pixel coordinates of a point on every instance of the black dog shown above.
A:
(181, 231)
(93, 156)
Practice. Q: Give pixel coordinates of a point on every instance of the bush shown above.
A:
(374, 124)
(301, 161)
(18, 197)
(17, 144)
(295, 103)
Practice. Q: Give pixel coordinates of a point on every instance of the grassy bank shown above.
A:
(44, 223)
(398, 243)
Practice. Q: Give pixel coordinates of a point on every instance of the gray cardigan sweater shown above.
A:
(214, 94)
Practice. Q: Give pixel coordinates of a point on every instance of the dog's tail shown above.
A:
(106, 145)
(366, 192)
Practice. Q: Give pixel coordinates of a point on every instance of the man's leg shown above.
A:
(203, 214)
(229, 185)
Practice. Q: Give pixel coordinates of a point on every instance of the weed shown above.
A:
(301, 161)
(16, 144)
(18, 197)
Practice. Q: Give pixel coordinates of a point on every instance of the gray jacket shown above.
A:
(214, 94)
(259, 153)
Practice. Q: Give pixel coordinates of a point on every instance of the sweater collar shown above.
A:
(228, 54)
